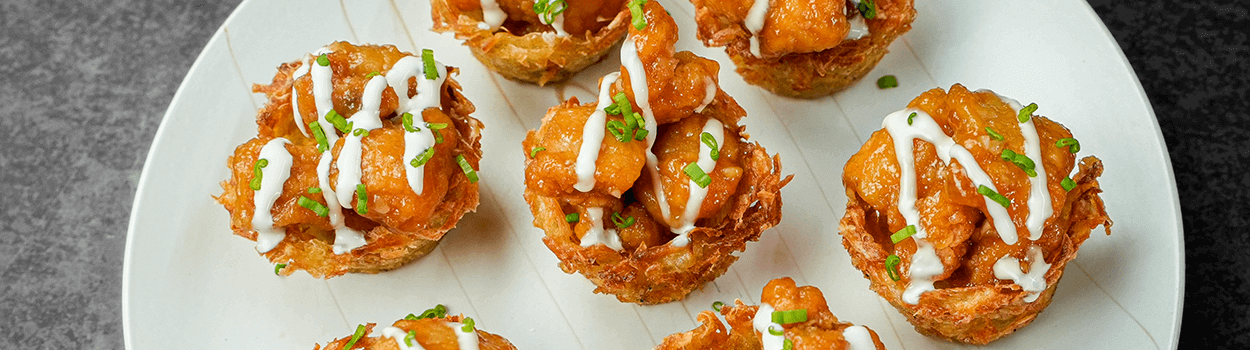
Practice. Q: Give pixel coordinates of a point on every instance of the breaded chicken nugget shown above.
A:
(430, 331)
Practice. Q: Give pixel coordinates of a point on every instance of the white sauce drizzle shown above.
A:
(273, 176)
(698, 194)
(642, 96)
(592, 137)
(400, 337)
(427, 96)
(295, 114)
(466, 340)
(348, 161)
(859, 28)
(755, 23)
(762, 322)
(1039, 195)
(709, 94)
(859, 338)
(345, 238)
(557, 22)
(492, 15)
(597, 235)
(323, 88)
(1033, 282)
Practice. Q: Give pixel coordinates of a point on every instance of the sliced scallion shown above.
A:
(362, 200)
(887, 81)
(323, 144)
(695, 173)
(315, 206)
(903, 234)
(323, 60)
(635, 9)
(1026, 112)
(278, 268)
(717, 306)
(257, 173)
(993, 134)
(406, 119)
(572, 218)
(774, 331)
(468, 169)
(468, 325)
(911, 117)
(867, 8)
(891, 267)
(360, 332)
(427, 57)
(1021, 161)
(534, 152)
(997, 198)
(790, 316)
(1072, 144)
(1067, 184)
(622, 222)
(710, 141)
(422, 158)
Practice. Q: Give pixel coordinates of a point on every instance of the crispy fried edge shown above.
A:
(984, 313)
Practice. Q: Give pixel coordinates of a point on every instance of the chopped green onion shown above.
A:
(717, 306)
(439, 311)
(412, 335)
(362, 200)
(277, 268)
(468, 325)
(623, 107)
(710, 141)
(534, 152)
(323, 60)
(635, 9)
(640, 134)
(427, 57)
(468, 169)
(891, 267)
(1020, 160)
(1072, 144)
(411, 317)
(422, 158)
(1067, 184)
(622, 222)
(695, 173)
(572, 218)
(360, 132)
(372, 74)
(257, 173)
(549, 10)
(323, 144)
(1026, 112)
(903, 234)
(617, 128)
(338, 121)
(434, 128)
(789, 345)
(887, 81)
(993, 134)
(313, 205)
(910, 117)
(406, 118)
(360, 332)
(986, 191)
(775, 331)
(867, 8)
(314, 190)
(790, 316)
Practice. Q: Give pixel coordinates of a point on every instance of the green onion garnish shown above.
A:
(372, 74)
(867, 8)
(406, 118)
(314, 190)
(1072, 144)
(789, 345)
(411, 317)
(635, 9)
(338, 121)
(695, 173)
(711, 143)
(277, 268)
(617, 128)
(891, 267)
(640, 134)
(323, 60)
(903, 234)
(910, 117)
(775, 331)
(427, 57)
(534, 152)
(468, 325)
(993, 134)
(572, 218)
(790, 316)
(549, 11)
(360, 132)
(439, 311)
(623, 107)
(434, 128)
(886, 82)
(1067, 184)
(412, 335)
(323, 144)
(1026, 112)
(468, 169)
(717, 305)
(360, 332)
(257, 173)
(422, 158)
(1020, 160)
(313, 205)
(362, 200)
(986, 191)
(622, 222)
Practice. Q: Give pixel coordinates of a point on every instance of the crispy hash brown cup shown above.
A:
(398, 224)
(820, 331)
(644, 230)
(439, 333)
(526, 49)
(984, 282)
(799, 55)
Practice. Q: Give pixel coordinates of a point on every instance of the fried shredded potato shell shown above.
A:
(821, 331)
(427, 333)
(805, 49)
(975, 280)
(659, 240)
(397, 222)
(522, 46)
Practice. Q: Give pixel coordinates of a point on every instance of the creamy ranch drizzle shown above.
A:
(755, 22)
(348, 161)
(399, 335)
(323, 88)
(1039, 195)
(698, 194)
(859, 338)
(1033, 282)
(638, 82)
(345, 238)
(597, 235)
(295, 113)
(467, 340)
(859, 28)
(709, 94)
(273, 176)
(557, 22)
(492, 15)
(427, 96)
(762, 321)
(592, 137)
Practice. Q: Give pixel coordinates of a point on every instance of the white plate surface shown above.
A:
(190, 283)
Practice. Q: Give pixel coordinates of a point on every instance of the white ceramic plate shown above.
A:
(190, 283)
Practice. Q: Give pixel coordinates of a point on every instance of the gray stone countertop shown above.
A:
(85, 84)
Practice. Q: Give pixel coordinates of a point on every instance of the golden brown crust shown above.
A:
(537, 57)
(807, 75)
(430, 333)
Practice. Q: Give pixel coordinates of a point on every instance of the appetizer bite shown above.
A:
(538, 41)
(432, 330)
(649, 190)
(962, 214)
(803, 49)
(364, 159)
(788, 317)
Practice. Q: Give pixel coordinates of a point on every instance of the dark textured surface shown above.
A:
(86, 83)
